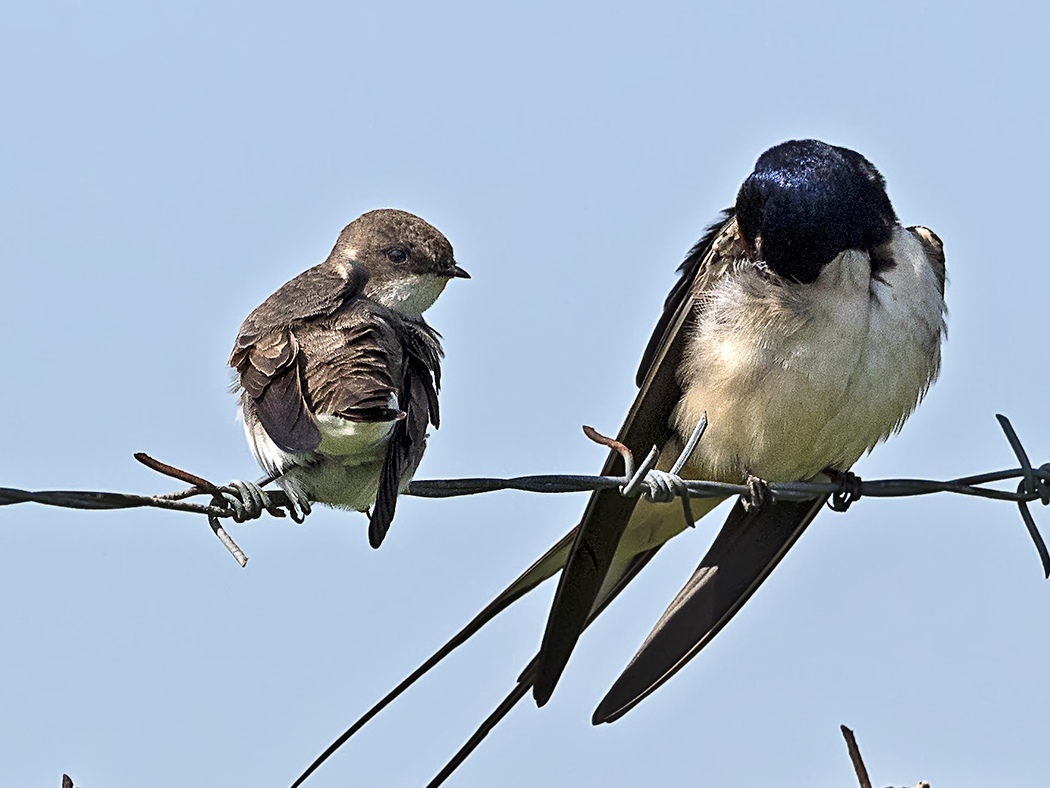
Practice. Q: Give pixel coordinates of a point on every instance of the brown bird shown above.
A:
(339, 374)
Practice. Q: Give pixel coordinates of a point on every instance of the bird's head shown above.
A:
(808, 201)
(409, 261)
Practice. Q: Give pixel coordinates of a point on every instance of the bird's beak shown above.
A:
(459, 273)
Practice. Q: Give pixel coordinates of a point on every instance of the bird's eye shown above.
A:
(396, 255)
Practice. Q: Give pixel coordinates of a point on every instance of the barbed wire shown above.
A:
(227, 501)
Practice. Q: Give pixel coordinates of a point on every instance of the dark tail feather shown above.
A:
(520, 690)
(389, 482)
(545, 567)
(528, 676)
(743, 554)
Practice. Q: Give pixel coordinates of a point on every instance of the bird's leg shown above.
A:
(758, 493)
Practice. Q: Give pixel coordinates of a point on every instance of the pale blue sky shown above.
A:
(166, 168)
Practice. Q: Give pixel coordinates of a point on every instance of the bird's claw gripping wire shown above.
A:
(849, 489)
(199, 485)
(248, 500)
(758, 495)
(298, 501)
(1034, 486)
(245, 499)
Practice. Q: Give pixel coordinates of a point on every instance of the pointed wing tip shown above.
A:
(549, 667)
(603, 714)
(590, 560)
(617, 703)
(541, 694)
(745, 552)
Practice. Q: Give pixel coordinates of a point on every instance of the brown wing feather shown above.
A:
(354, 365)
(316, 292)
(267, 356)
(269, 373)
(660, 348)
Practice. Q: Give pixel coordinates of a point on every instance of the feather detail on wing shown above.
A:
(317, 292)
(270, 374)
(266, 353)
(695, 274)
(354, 367)
(747, 548)
(647, 425)
(419, 390)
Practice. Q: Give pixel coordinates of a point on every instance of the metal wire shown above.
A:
(1034, 485)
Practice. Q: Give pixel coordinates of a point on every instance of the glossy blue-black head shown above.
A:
(806, 202)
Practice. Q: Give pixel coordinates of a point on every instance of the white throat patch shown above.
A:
(411, 295)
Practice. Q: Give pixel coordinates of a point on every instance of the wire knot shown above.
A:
(661, 486)
(664, 487)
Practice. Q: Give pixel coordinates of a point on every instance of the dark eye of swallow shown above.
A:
(396, 255)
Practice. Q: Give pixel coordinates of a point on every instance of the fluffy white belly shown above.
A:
(353, 442)
(343, 471)
(799, 377)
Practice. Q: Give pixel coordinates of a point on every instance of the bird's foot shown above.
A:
(848, 492)
(298, 500)
(758, 494)
(249, 500)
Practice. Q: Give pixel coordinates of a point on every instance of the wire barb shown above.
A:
(1029, 485)
(664, 487)
(623, 451)
(634, 483)
(854, 756)
(698, 433)
(175, 473)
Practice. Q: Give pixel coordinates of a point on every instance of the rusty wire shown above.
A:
(1033, 485)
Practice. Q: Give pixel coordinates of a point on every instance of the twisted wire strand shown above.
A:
(1033, 485)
